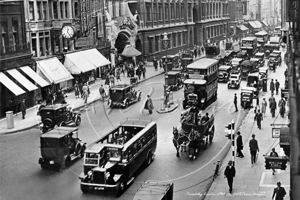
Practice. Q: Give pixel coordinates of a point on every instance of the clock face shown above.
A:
(67, 32)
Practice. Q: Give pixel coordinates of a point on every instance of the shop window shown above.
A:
(55, 10)
(66, 9)
(42, 46)
(31, 11)
(33, 42)
(4, 36)
(62, 10)
(156, 43)
(45, 8)
(47, 45)
(76, 9)
(39, 10)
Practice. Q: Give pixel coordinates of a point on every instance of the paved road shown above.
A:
(22, 177)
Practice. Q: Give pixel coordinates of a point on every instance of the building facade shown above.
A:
(15, 53)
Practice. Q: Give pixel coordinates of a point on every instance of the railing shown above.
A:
(15, 49)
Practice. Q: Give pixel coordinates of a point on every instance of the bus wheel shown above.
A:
(149, 158)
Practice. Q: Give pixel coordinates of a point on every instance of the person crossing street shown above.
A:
(253, 145)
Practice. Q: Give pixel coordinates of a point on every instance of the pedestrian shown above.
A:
(102, 93)
(239, 145)
(112, 79)
(253, 144)
(273, 154)
(264, 105)
(229, 174)
(118, 75)
(235, 102)
(279, 192)
(76, 89)
(155, 63)
(160, 64)
(258, 118)
(273, 106)
(144, 72)
(149, 105)
(272, 86)
(23, 108)
(281, 105)
(277, 84)
(80, 85)
(106, 80)
(85, 92)
(138, 72)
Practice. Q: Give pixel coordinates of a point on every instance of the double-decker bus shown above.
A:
(201, 85)
(262, 38)
(112, 162)
(249, 45)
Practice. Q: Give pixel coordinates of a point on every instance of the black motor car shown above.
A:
(224, 73)
(123, 95)
(174, 79)
(58, 115)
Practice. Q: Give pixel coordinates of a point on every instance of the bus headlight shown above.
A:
(202, 100)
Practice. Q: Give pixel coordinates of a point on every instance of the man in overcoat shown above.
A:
(253, 145)
(230, 174)
(239, 145)
(279, 192)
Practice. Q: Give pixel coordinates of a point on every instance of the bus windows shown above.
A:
(113, 154)
(91, 159)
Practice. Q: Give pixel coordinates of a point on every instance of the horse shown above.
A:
(193, 144)
(180, 141)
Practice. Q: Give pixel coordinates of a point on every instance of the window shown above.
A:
(150, 44)
(157, 43)
(148, 10)
(190, 11)
(76, 9)
(177, 11)
(67, 10)
(174, 40)
(4, 36)
(55, 10)
(31, 11)
(182, 10)
(61, 10)
(172, 11)
(39, 10)
(45, 10)
(167, 11)
(160, 12)
(179, 38)
(15, 34)
(33, 42)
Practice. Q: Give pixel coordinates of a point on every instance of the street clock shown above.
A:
(68, 31)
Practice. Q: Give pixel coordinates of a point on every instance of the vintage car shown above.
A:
(58, 115)
(171, 62)
(264, 72)
(279, 56)
(274, 61)
(186, 59)
(254, 80)
(243, 55)
(173, 80)
(224, 73)
(261, 57)
(234, 81)
(248, 67)
(236, 63)
(247, 95)
(123, 95)
(257, 63)
(59, 147)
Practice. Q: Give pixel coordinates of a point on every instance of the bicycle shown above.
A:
(216, 173)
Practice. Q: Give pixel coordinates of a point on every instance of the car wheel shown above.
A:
(82, 151)
(78, 120)
(212, 133)
(77, 148)
(62, 124)
(149, 158)
(84, 188)
(139, 97)
(66, 161)
(126, 104)
(48, 123)
(120, 188)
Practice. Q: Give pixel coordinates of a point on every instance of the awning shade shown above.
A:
(130, 51)
(9, 84)
(253, 24)
(95, 57)
(259, 25)
(77, 63)
(84, 61)
(39, 80)
(53, 70)
(264, 23)
(243, 28)
(22, 80)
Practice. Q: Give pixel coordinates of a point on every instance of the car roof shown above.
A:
(173, 72)
(254, 59)
(136, 122)
(254, 74)
(195, 81)
(247, 89)
(59, 132)
(120, 86)
(276, 51)
(259, 54)
(224, 67)
(54, 106)
(237, 59)
(202, 63)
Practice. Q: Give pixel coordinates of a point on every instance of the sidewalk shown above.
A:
(32, 119)
(254, 182)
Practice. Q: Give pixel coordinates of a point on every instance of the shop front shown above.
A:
(19, 83)
(56, 74)
(85, 65)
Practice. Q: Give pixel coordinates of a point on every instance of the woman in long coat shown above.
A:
(149, 105)
(76, 89)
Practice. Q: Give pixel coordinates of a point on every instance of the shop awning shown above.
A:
(53, 70)
(95, 57)
(76, 63)
(243, 28)
(264, 23)
(9, 84)
(39, 80)
(253, 24)
(258, 24)
(84, 61)
(21, 79)
(130, 51)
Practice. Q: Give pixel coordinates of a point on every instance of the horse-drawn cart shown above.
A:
(196, 132)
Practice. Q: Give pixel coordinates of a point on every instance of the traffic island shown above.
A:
(170, 107)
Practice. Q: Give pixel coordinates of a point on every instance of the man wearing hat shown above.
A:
(239, 145)
(279, 192)
(253, 149)
(229, 174)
